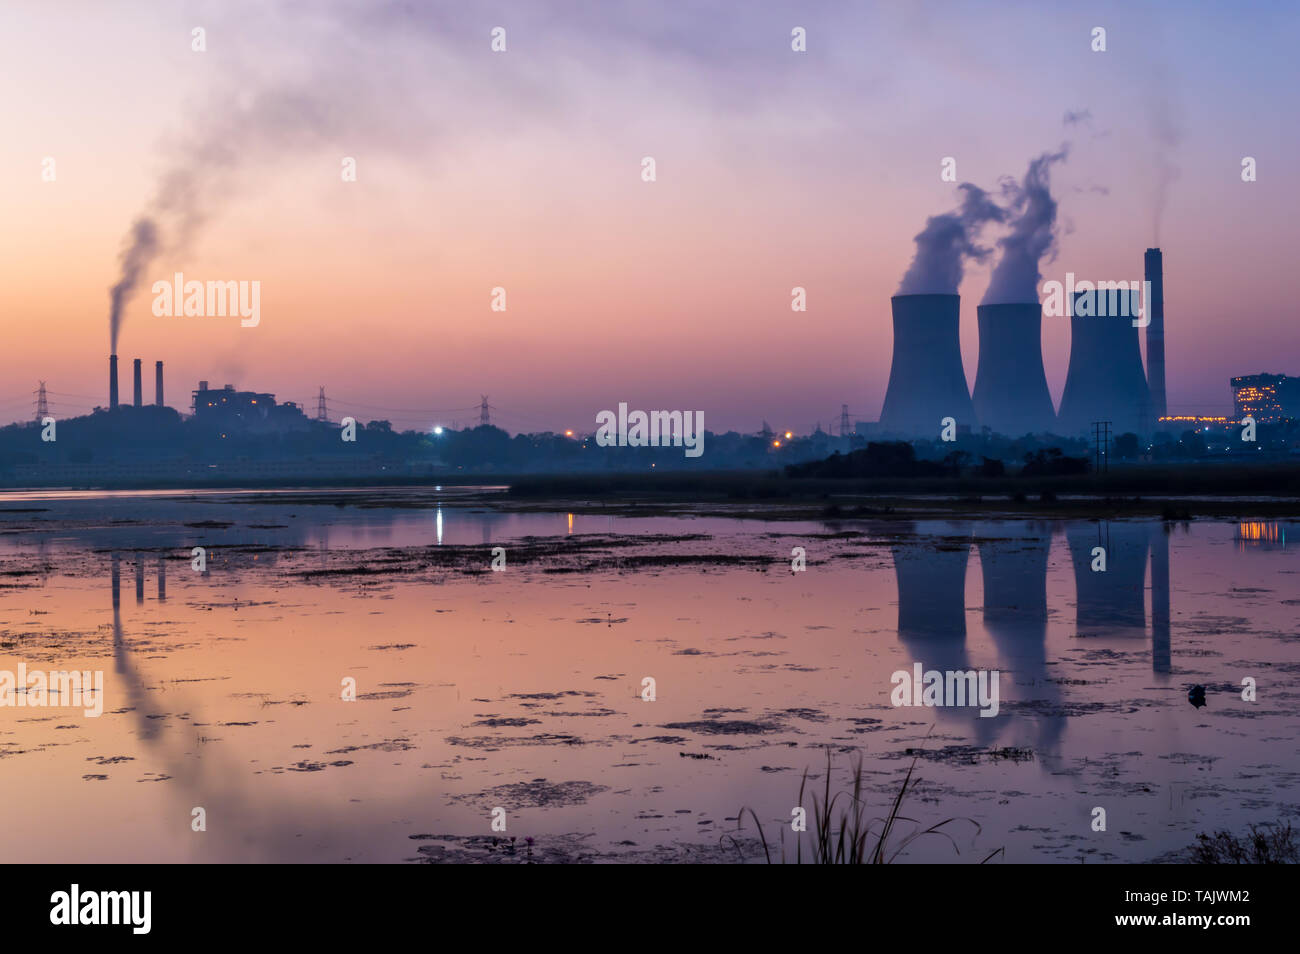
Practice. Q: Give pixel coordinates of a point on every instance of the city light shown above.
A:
(568, 433)
(788, 435)
(437, 430)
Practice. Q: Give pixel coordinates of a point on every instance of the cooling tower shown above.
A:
(1011, 394)
(137, 394)
(158, 392)
(112, 381)
(926, 380)
(1105, 381)
(1155, 274)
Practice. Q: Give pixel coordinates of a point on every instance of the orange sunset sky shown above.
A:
(522, 169)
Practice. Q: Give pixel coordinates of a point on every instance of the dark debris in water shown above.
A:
(539, 793)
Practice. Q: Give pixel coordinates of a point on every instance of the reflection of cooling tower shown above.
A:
(1015, 583)
(1110, 601)
(1105, 381)
(926, 380)
(1011, 394)
(931, 574)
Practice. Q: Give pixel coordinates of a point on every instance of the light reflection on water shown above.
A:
(223, 688)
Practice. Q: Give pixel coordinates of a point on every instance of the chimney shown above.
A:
(112, 382)
(158, 392)
(137, 394)
(1155, 274)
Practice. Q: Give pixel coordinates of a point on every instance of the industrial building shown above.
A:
(1266, 397)
(248, 410)
(1106, 379)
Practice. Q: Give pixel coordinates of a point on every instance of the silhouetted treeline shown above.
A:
(885, 459)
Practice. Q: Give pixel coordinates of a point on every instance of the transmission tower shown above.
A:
(321, 415)
(42, 405)
(483, 418)
(1101, 445)
(845, 427)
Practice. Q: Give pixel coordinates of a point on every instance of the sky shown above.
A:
(522, 170)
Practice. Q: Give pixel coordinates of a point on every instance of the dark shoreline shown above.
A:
(1174, 493)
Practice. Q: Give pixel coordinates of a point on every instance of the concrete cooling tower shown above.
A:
(926, 379)
(1105, 381)
(1011, 395)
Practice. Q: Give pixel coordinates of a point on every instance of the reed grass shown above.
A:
(843, 830)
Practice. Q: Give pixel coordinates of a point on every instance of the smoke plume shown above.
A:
(140, 247)
(947, 242)
(1032, 235)
(1167, 131)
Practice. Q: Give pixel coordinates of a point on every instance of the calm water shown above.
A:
(522, 689)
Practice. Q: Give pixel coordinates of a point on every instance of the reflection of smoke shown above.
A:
(1032, 236)
(279, 831)
(947, 241)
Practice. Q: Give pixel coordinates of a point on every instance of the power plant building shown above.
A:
(1266, 397)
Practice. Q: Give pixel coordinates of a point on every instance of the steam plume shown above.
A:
(1031, 238)
(947, 241)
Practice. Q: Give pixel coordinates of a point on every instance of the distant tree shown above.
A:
(992, 468)
(1126, 446)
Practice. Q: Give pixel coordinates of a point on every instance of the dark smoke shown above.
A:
(140, 248)
(947, 241)
(1032, 236)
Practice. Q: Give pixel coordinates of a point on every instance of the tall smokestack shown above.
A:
(926, 379)
(1155, 274)
(158, 392)
(138, 394)
(112, 382)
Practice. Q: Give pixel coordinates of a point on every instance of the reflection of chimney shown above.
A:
(1160, 634)
(158, 394)
(162, 573)
(112, 381)
(138, 394)
(139, 569)
(117, 582)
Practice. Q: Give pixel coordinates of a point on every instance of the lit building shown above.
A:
(250, 409)
(1266, 397)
